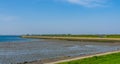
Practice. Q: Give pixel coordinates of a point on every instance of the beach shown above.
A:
(48, 50)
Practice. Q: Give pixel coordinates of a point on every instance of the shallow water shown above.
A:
(14, 52)
(12, 39)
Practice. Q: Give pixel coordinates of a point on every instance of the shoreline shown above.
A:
(83, 57)
(69, 58)
(88, 39)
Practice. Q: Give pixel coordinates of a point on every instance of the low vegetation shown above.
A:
(106, 59)
(70, 37)
(78, 35)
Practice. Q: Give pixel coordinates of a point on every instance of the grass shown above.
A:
(73, 38)
(82, 35)
(105, 59)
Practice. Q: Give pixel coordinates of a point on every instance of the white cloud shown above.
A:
(89, 3)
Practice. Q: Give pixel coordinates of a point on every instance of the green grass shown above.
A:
(106, 59)
(112, 36)
(81, 35)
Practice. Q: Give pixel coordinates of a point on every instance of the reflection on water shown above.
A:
(14, 52)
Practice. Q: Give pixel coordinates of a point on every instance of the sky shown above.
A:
(59, 17)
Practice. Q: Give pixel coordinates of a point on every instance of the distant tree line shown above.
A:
(78, 35)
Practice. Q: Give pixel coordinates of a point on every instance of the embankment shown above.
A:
(76, 38)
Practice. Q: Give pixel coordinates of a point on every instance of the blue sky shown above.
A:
(59, 17)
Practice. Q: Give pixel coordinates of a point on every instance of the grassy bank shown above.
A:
(78, 38)
(105, 59)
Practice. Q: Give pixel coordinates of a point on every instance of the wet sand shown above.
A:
(92, 48)
(42, 51)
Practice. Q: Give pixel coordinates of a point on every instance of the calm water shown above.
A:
(14, 49)
(12, 39)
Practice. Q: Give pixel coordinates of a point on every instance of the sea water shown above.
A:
(12, 38)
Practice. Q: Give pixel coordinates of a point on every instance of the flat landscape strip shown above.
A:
(76, 38)
(79, 58)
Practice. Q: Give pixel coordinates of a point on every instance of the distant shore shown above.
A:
(89, 39)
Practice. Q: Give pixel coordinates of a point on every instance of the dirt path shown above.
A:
(78, 58)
